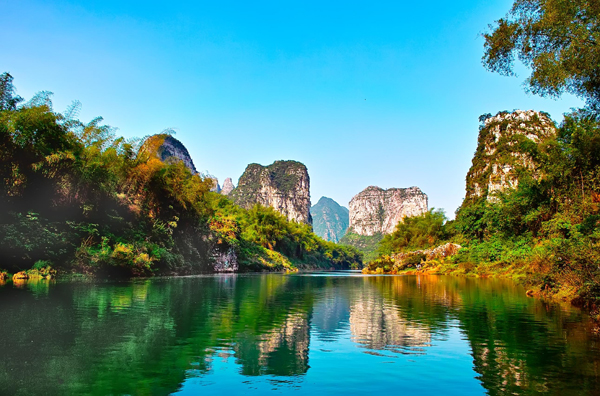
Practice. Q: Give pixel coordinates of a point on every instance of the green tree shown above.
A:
(8, 99)
(558, 39)
(416, 232)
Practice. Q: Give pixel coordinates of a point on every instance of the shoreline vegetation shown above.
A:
(523, 273)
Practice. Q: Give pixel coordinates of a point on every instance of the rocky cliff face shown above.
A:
(283, 185)
(377, 211)
(506, 149)
(169, 150)
(228, 186)
(330, 220)
(215, 186)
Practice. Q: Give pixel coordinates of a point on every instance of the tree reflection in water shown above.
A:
(150, 337)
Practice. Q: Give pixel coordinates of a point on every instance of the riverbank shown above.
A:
(50, 274)
(533, 277)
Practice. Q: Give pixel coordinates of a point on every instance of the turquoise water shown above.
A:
(305, 334)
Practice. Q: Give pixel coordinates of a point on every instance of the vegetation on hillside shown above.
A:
(546, 231)
(78, 198)
(550, 223)
(262, 230)
(365, 244)
(418, 232)
(282, 175)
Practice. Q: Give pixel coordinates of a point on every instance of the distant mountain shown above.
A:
(330, 220)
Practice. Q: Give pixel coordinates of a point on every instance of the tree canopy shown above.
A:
(8, 99)
(557, 39)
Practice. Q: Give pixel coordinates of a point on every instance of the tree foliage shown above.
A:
(558, 39)
(270, 230)
(8, 99)
(416, 232)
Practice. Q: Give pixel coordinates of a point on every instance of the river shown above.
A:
(339, 333)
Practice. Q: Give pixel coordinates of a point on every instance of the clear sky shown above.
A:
(384, 93)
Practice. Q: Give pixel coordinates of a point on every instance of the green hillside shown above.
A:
(330, 219)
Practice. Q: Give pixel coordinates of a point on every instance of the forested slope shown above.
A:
(77, 198)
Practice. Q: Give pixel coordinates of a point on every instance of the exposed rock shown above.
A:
(283, 185)
(330, 220)
(413, 259)
(378, 211)
(447, 250)
(226, 261)
(506, 149)
(215, 187)
(228, 186)
(168, 149)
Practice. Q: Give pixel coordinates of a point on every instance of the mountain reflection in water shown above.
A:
(334, 333)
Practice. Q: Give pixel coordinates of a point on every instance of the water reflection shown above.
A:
(331, 312)
(378, 324)
(261, 332)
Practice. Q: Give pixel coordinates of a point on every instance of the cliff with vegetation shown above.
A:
(377, 211)
(283, 185)
(531, 212)
(168, 150)
(330, 219)
(532, 204)
(507, 149)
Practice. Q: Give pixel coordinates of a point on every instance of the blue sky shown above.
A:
(383, 93)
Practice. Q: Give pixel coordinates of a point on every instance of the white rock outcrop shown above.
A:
(227, 186)
(378, 211)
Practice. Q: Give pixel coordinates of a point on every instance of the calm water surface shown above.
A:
(334, 333)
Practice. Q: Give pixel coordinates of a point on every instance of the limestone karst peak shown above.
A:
(504, 151)
(377, 211)
(228, 186)
(283, 185)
